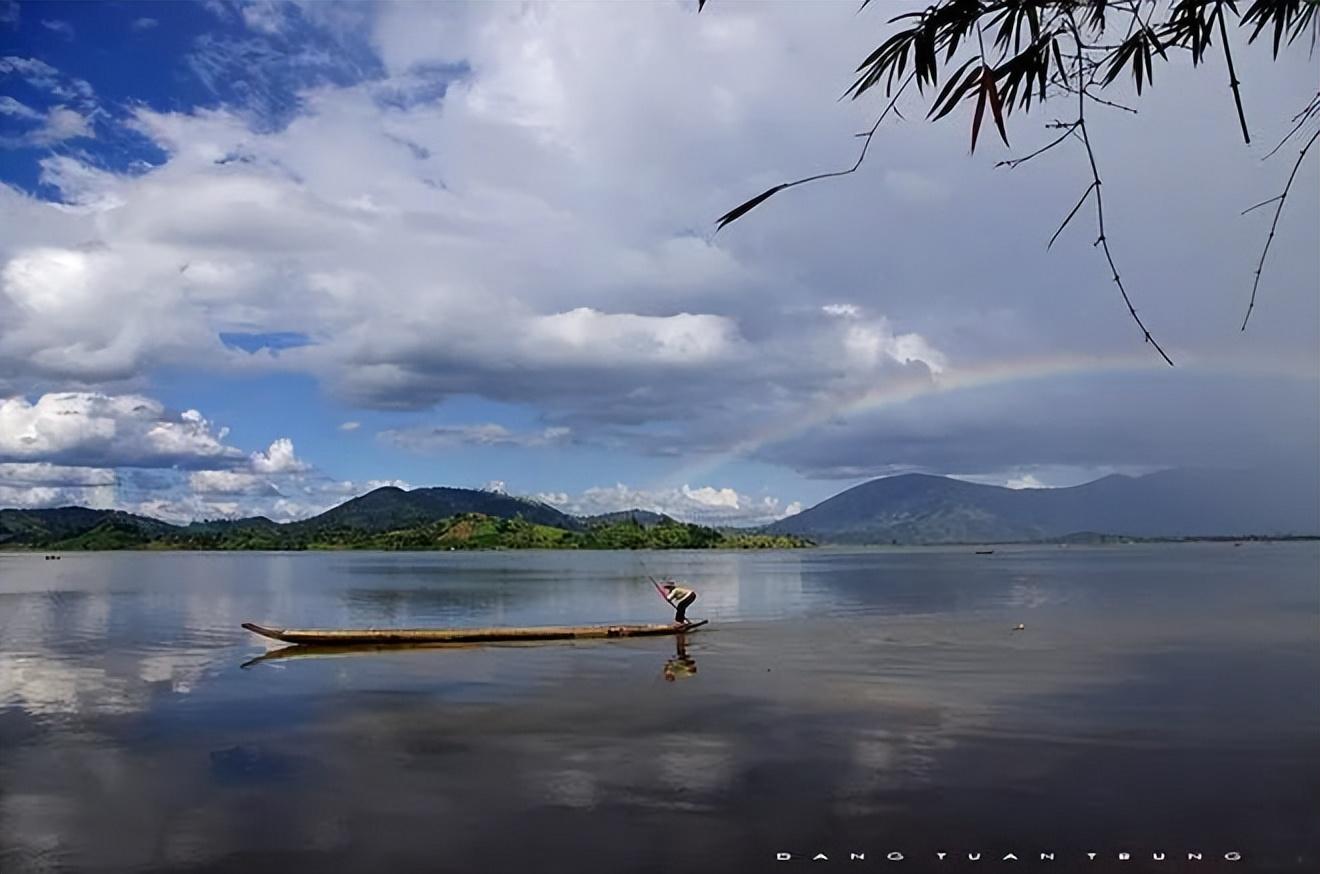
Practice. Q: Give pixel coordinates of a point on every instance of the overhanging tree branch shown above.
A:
(742, 209)
(1274, 225)
(1021, 60)
(1096, 185)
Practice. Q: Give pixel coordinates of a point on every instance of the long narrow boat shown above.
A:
(350, 636)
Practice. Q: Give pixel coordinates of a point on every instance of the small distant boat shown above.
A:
(405, 636)
(985, 552)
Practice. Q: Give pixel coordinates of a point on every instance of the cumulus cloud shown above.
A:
(99, 430)
(353, 253)
(707, 505)
(278, 458)
(41, 484)
(349, 426)
(129, 452)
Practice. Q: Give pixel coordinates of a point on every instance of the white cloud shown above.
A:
(62, 123)
(278, 458)
(707, 505)
(230, 482)
(841, 310)
(432, 246)
(11, 107)
(144, 23)
(103, 430)
(349, 426)
(521, 210)
(263, 17)
(44, 77)
(41, 484)
(63, 28)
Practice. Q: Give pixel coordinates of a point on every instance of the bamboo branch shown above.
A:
(1299, 121)
(1103, 240)
(1232, 75)
(1278, 210)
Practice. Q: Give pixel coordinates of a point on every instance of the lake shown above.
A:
(1162, 699)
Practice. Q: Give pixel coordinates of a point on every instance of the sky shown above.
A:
(258, 258)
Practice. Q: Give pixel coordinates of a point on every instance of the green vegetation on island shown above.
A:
(111, 530)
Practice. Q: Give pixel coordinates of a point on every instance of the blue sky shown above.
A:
(260, 257)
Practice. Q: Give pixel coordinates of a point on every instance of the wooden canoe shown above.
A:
(378, 636)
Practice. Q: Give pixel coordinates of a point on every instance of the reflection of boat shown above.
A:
(296, 651)
(395, 636)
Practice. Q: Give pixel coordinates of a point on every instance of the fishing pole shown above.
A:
(659, 591)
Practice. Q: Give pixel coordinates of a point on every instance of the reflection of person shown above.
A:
(680, 597)
(682, 664)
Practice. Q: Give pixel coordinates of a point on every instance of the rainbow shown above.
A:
(904, 389)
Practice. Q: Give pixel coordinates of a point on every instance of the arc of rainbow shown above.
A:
(898, 391)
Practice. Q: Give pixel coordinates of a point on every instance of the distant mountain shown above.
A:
(390, 509)
(913, 508)
(917, 508)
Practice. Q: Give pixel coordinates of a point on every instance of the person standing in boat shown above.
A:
(680, 597)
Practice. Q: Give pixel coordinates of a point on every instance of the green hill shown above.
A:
(389, 519)
(390, 508)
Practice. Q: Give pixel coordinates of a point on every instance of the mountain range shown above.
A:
(386, 518)
(910, 508)
(917, 508)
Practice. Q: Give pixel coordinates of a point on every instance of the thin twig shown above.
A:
(866, 140)
(1301, 156)
(1262, 203)
(1066, 86)
(739, 211)
(1110, 103)
(1014, 162)
(1072, 213)
(1103, 240)
(1300, 120)
(1232, 75)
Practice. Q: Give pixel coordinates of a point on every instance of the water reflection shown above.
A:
(682, 665)
(1159, 696)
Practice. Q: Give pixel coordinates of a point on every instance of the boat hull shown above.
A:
(404, 636)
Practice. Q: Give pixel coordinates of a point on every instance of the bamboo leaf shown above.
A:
(739, 211)
(996, 107)
(976, 117)
(948, 88)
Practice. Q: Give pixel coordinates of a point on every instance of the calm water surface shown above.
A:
(1161, 699)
